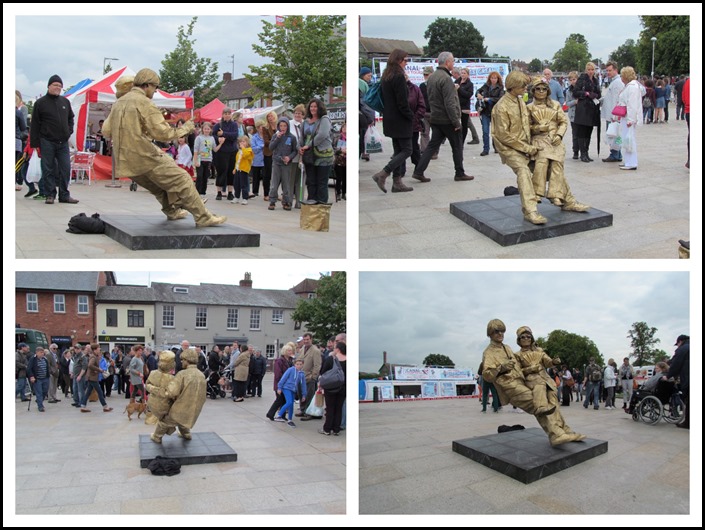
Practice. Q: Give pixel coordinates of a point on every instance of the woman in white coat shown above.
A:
(630, 97)
(610, 381)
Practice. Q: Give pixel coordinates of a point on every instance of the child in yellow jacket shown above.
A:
(243, 163)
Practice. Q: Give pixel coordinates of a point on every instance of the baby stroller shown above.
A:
(213, 385)
(665, 402)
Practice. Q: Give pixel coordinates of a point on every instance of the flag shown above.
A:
(279, 20)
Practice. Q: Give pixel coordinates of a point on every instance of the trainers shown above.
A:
(30, 193)
(291, 424)
(321, 431)
(244, 201)
(279, 419)
(213, 220)
(235, 201)
(40, 197)
(231, 196)
(219, 197)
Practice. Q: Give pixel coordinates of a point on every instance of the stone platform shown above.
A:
(155, 232)
(526, 455)
(204, 448)
(501, 220)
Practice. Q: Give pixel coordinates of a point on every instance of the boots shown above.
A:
(380, 177)
(587, 148)
(398, 186)
(582, 145)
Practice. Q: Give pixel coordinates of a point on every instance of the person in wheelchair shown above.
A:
(664, 390)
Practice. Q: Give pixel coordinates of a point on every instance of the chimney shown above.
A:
(247, 282)
(227, 77)
(384, 357)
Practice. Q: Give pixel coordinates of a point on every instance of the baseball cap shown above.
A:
(299, 339)
(680, 338)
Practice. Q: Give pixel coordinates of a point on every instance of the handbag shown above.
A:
(619, 110)
(334, 378)
(569, 382)
(106, 374)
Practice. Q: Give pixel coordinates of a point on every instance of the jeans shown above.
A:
(615, 154)
(592, 388)
(441, 132)
(41, 389)
(485, 121)
(627, 387)
(90, 386)
(486, 389)
(79, 388)
(317, 182)
(56, 168)
(402, 150)
(21, 387)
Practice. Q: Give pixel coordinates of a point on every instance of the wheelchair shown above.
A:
(664, 403)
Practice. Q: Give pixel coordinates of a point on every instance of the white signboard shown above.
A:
(411, 373)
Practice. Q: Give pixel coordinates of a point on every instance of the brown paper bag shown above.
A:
(315, 217)
(319, 400)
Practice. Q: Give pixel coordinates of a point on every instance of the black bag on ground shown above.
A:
(511, 190)
(164, 466)
(82, 224)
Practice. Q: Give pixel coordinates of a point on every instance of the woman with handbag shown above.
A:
(630, 98)
(317, 152)
(568, 383)
(334, 398)
(587, 111)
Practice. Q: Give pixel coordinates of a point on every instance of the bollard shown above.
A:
(375, 394)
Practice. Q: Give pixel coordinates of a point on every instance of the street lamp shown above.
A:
(653, 49)
(105, 59)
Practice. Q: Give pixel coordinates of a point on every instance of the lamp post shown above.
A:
(105, 59)
(653, 50)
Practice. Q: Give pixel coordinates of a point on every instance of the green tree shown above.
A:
(307, 56)
(573, 350)
(182, 69)
(573, 55)
(324, 315)
(625, 55)
(108, 68)
(437, 359)
(672, 48)
(536, 65)
(460, 37)
(643, 342)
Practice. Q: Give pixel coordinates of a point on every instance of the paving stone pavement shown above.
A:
(72, 463)
(651, 206)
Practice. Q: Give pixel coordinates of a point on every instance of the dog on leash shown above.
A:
(133, 407)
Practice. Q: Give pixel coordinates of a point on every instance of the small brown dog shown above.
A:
(133, 407)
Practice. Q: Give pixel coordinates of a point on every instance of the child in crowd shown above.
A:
(283, 146)
(243, 163)
(204, 147)
(257, 170)
(292, 383)
(184, 158)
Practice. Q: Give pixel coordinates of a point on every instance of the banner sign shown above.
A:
(429, 390)
(419, 372)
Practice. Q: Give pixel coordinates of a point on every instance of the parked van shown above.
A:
(32, 338)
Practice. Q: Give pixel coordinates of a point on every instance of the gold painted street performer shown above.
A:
(188, 391)
(133, 123)
(159, 406)
(512, 139)
(502, 368)
(548, 124)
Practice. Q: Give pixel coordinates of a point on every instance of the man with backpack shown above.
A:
(593, 377)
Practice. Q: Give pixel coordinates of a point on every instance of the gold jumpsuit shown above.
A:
(188, 390)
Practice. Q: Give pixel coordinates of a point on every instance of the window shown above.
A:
(255, 315)
(135, 318)
(201, 317)
(338, 91)
(168, 316)
(82, 304)
(270, 351)
(111, 318)
(32, 303)
(278, 316)
(311, 295)
(59, 303)
(181, 290)
(232, 318)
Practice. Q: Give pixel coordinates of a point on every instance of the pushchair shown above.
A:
(213, 384)
(665, 402)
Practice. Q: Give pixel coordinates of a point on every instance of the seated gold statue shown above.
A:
(548, 124)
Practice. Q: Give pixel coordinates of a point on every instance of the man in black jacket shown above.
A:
(258, 367)
(680, 367)
(50, 130)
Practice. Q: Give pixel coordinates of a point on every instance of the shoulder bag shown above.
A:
(334, 378)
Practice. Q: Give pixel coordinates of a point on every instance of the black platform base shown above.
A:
(155, 232)
(526, 455)
(501, 220)
(204, 448)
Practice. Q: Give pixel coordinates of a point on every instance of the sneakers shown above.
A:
(279, 419)
(219, 197)
(291, 424)
(40, 197)
(484, 153)
(633, 168)
(235, 201)
(321, 431)
(213, 220)
(50, 200)
(244, 201)
(231, 196)
(30, 193)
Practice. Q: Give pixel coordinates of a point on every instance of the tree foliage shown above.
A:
(307, 56)
(325, 315)
(437, 359)
(573, 350)
(672, 49)
(643, 344)
(625, 55)
(573, 55)
(182, 69)
(460, 37)
(536, 65)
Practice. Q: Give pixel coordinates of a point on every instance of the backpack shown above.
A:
(334, 378)
(646, 102)
(595, 373)
(82, 224)
(373, 98)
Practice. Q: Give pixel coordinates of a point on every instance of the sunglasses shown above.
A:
(541, 89)
(525, 337)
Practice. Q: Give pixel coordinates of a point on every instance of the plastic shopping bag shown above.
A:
(34, 170)
(315, 410)
(628, 140)
(373, 140)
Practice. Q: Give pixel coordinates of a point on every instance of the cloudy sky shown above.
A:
(410, 315)
(229, 275)
(519, 37)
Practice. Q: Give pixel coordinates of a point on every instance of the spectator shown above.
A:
(364, 85)
(21, 358)
(257, 170)
(686, 109)
(680, 368)
(610, 381)
(136, 372)
(281, 365)
(488, 95)
(93, 374)
(293, 382)
(626, 378)
(334, 398)
(205, 146)
(242, 369)
(340, 148)
(225, 133)
(555, 86)
(38, 374)
(283, 147)
(258, 367)
(608, 103)
(631, 98)
(317, 130)
(269, 131)
(587, 111)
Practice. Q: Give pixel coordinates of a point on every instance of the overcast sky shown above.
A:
(228, 275)
(410, 315)
(519, 37)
